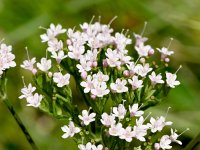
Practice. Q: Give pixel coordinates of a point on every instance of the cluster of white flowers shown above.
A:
(137, 128)
(95, 46)
(32, 99)
(90, 146)
(6, 58)
(99, 61)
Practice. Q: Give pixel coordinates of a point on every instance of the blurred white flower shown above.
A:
(59, 56)
(86, 117)
(69, 130)
(60, 79)
(27, 91)
(135, 83)
(171, 80)
(155, 78)
(107, 120)
(158, 124)
(116, 130)
(45, 65)
(119, 111)
(29, 65)
(119, 86)
(165, 142)
(127, 134)
(34, 100)
(134, 111)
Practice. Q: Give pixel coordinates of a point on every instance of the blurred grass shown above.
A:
(180, 19)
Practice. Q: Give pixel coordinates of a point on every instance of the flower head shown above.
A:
(69, 130)
(86, 117)
(34, 100)
(45, 64)
(60, 79)
(171, 80)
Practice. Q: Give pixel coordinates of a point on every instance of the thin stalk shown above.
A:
(20, 123)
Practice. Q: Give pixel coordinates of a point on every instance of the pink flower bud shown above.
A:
(105, 64)
(167, 59)
(93, 97)
(34, 71)
(157, 146)
(84, 75)
(151, 52)
(94, 64)
(126, 73)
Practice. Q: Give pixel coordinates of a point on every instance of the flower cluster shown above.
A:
(105, 73)
(6, 58)
(126, 124)
(32, 99)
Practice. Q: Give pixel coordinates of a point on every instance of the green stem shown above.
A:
(21, 125)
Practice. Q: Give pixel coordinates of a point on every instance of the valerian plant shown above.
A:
(116, 86)
(7, 61)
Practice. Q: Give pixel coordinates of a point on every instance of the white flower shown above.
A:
(139, 39)
(131, 68)
(112, 58)
(107, 120)
(100, 89)
(57, 29)
(59, 56)
(29, 64)
(99, 147)
(27, 91)
(116, 130)
(135, 83)
(158, 124)
(165, 142)
(86, 117)
(76, 52)
(84, 65)
(55, 45)
(88, 146)
(165, 52)
(34, 100)
(171, 80)
(155, 78)
(127, 134)
(134, 111)
(142, 70)
(52, 32)
(124, 59)
(45, 64)
(60, 79)
(121, 41)
(173, 137)
(88, 84)
(140, 130)
(69, 130)
(143, 50)
(100, 77)
(6, 58)
(119, 111)
(119, 86)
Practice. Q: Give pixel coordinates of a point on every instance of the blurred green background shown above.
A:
(180, 19)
